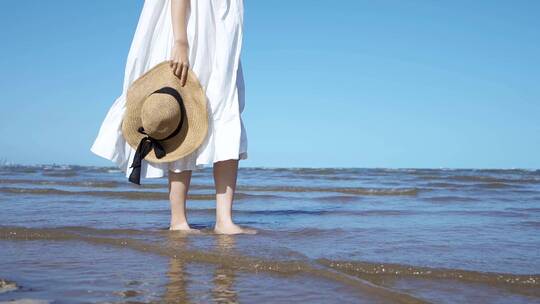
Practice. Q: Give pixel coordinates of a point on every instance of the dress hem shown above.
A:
(122, 166)
(200, 166)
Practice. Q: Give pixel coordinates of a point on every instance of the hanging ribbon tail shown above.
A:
(144, 147)
(159, 150)
(135, 176)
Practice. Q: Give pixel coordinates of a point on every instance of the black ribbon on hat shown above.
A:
(148, 143)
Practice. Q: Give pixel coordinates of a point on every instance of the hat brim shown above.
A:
(195, 126)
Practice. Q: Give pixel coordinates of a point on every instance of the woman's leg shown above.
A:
(178, 190)
(225, 173)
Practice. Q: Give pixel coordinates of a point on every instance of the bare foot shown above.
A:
(233, 229)
(184, 227)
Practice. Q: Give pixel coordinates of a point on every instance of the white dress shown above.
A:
(215, 32)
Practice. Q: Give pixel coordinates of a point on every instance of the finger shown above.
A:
(183, 79)
(174, 65)
(178, 70)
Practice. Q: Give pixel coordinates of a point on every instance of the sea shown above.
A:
(84, 234)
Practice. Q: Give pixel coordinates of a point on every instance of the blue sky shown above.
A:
(451, 84)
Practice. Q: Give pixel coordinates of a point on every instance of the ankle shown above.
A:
(224, 223)
(179, 222)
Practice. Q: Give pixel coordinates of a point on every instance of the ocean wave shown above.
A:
(344, 190)
(488, 180)
(251, 188)
(130, 195)
(450, 198)
(85, 183)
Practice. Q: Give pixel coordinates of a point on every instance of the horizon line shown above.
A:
(12, 164)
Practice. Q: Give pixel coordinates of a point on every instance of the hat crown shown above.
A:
(182, 118)
(160, 115)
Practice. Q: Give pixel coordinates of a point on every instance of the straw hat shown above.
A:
(164, 121)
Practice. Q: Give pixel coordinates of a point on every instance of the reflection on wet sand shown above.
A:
(224, 276)
(176, 289)
(223, 280)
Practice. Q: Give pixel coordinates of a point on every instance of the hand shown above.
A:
(179, 60)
